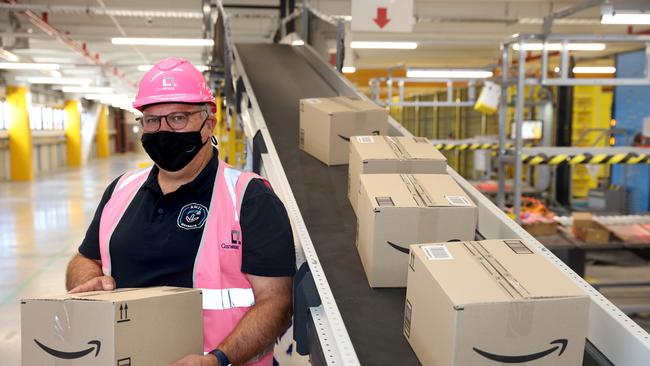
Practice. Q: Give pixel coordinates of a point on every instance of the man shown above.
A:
(193, 221)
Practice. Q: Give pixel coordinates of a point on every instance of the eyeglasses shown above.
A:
(175, 120)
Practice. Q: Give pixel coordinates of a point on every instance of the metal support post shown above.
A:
(400, 84)
(544, 61)
(471, 90)
(647, 61)
(389, 95)
(564, 60)
(305, 21)
(519, 117)
(503, 111)
(340, 45)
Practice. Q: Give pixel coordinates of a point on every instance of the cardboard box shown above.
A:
(388, 154)
(326, 125)
(588, 230)
(397, 210)
(150, 326)
(541, 228)
(492, 302)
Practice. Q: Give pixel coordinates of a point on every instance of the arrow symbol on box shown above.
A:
(382, 17)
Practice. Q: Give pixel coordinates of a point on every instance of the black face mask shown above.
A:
(172, 151)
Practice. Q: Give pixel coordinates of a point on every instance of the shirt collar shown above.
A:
(203, 182)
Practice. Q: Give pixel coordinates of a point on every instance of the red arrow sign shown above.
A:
(382, 17)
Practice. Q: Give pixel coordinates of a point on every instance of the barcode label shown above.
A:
(437, 252)
(457, 201)
(301, 143)
(384, 201)
(407, 319)
(518, 246)
(365, 139)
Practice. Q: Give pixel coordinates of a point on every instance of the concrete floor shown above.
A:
(41, 225)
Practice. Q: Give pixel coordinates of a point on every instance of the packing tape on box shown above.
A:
(344, 102)
(501, 275)
(398, 149)
(520, 318)
(420, 196)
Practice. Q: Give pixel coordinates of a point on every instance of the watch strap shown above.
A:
(223, 359)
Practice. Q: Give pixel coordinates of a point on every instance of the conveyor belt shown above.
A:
(281, 76)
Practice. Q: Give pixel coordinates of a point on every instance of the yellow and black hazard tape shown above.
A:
(473, 147)
(563, 159)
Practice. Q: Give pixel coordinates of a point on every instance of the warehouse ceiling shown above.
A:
(449, 33)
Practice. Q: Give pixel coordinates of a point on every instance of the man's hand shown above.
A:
(82, 270)
(196, 360)
(101, 283)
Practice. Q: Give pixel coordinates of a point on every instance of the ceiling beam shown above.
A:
(77, 47)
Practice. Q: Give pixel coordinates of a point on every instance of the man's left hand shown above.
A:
(196, 360)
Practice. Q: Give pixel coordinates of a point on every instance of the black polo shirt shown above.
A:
(156, 241)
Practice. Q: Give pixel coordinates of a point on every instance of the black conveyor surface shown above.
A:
(280, 76)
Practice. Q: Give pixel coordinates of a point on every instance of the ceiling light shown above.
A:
(625, 19)
(625, 13)
(594, 70)
(87, 89)
(145, 68)
(27, 66)
(298, 42)
(4, 54)
(384, 45)
(93, 96)
(448, 74)
(53, 60)
(558, 46)
(349, 69)
(591, 69)
(162, 41)
(58, 81)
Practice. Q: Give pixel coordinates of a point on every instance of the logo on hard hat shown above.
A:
(169, 82)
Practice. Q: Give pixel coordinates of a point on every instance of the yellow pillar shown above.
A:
(103, 150)
(20, 135)
(232, 139)
(73, 132)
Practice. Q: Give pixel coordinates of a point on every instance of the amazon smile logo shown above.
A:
(95, 345)
(561, 344)
(398, 248)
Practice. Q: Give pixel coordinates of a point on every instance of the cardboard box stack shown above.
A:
(150, 326)
(326, 125)
(388, 154)
(492, 302)
(396, 210)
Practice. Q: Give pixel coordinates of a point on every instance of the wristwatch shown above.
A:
(223, 359)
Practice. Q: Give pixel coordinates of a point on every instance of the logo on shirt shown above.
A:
(192, 216)
(235, 240)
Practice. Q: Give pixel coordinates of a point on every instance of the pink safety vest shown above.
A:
(227, 294)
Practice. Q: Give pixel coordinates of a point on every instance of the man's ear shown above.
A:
(211, 122)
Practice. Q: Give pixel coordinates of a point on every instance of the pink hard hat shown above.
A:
(173, 80)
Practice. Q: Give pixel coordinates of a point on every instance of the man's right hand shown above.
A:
(102, 283)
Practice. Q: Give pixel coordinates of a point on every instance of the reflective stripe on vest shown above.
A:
(227, 298)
